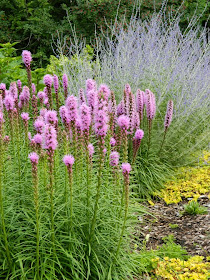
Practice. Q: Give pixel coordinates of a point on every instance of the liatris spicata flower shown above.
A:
(24, 97)
(101, 126)
(126, 169)
(38, 139)
(49, 138)
(112, 142)
(68, 161)
(168, 119)
(114, 158)
(1, 121)
(127, 92)
(13, 90)
(41, 96)
(120, 108)
(39, 125)
(9, 103)
(65, 85)
(33, 88)
(19, 85)
(105, 91)
(90, 85)
(34, 106)
(34, 159)
(112, 109)
(56, 86)
(140, 103)
(71, 105)
(26, 56)
(6, 139)
(43, 112)
(48, 82)
(65, 117)
(51, 118)
(139, 134)
(123, 122)
(90, 150)
(150, 104)
(85, 120)
(135, 122)
(25, 117)
(169, 114)
(81, 96)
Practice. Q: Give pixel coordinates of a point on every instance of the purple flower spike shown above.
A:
(38, 139)
(150, 104)
(112, 142)
(25, 117)
(48, 80)
(34, 158)
(39, 125)
(2, 86)
(139, 134)
(64, 115)
(51, 117)
(13, 90)
(26, 56)
(33, 88)
(9, 103)
(123, 122)
(140, 103)
(81, 96)
(71, 105)
(169, 114)
(91, 150)
(90, 85)
(65, 82)
(50, 138)
(101, 126)
(19, 84)
(114, 158)
(85, 117)
(105, 91)
(126, 168)
(56, 83)
(68, 160)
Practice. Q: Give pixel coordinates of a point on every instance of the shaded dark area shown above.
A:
(32, 23)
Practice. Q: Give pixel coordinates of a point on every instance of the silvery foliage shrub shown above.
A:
(173, 64)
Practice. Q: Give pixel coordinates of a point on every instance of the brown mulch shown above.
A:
(192, 231)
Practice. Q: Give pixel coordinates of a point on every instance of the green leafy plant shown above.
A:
(194, 208)
(173, 226)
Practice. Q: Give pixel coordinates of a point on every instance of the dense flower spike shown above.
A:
(123, 122)
(38, 139)
(139, 134)
(71, 105)
(9, 103)
(64, 116)
(34, 158)
(150, 104)
(68, 160)
(112, 142)
(1, 121)
(48, 80)
(34, 106)
(19, 85)
(169, 114)
(85, 118)
(81, 96)
(25, 117)
(120, 108)
(49, 138)
(13, 90)
(26, 56)
(33, 88)
(51, 118)
(39, 125)
(41, 96)
(101, 120)
(90, 150)
(65, 85)
(126, 168)
(114, 158)
(140, 103)
(24, 97)
(105, 91)
(90, 85)
(56, 86)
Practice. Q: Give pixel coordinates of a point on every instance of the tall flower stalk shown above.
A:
(26, 56)
(168, 119)
(34, 158)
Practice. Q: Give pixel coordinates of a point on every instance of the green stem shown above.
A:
(2, 210)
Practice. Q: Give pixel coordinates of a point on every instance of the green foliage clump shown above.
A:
(194, 208)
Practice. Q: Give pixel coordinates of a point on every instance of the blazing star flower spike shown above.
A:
(85, 117)
(25, 116)
(139, 134)
(91, 150)
(169, 114)
(33, 157)
(123, 122)
(49, 138)
(38, 138)
(90, 85)
(105, 91)
(65, 82)
(56, 82)
(71, 105)
(68, 160)
(112, 142)
(51, 117)
(48, 80)
(126, 168)
(39, 125)
(9, 103)
(26, 56)
(114, 158)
